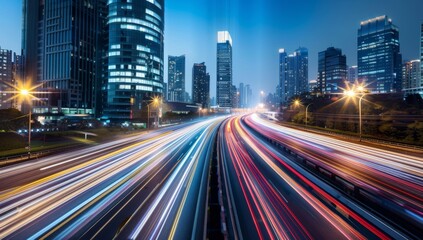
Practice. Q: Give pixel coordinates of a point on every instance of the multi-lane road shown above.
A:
(148, 186)
(275, 183)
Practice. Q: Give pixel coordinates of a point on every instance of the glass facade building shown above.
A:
(6, 78)
(421, 50)
(293, 74)
(224, 70)
(200, 85)
(379, 59)
(332, 71)
(352, 74)
(176, 79)
(411, 74)
(135, 57)
(61, 49)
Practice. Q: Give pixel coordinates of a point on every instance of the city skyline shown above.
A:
(194, 32)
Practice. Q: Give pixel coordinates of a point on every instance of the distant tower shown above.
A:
(200, 85)
(6, 78)
(332, 71)
(293, 73)
(176, 79)
(411, 74)
(352, 74)
(224, 69)
(421, 51)
(379, 58)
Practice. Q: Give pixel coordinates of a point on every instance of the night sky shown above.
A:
(259, 28)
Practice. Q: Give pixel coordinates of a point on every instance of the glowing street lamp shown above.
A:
(297, 103)
(360, 90)
(155, 101)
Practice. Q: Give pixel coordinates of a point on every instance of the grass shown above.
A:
(12, 144)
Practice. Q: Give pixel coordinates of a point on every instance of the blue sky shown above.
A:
(259, 28)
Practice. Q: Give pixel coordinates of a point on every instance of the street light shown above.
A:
(24, 94)
(297, 103)
(155, 101)
(199, 112)
(361, 92)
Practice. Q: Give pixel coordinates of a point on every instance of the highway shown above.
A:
(386, 183)
(270, 196)
(147, 186)
(274, 182)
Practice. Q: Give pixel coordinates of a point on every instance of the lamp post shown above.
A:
(362, 93)
(25, 93)
(199, 112)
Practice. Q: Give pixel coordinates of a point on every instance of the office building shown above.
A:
(135, 57)
(6, 78)
(379, 58)
(201, 85)
(242, 96)
(176, 79)
(352, 74)
(235, 97)
(224, 70)
(312, 86)
(421, 50)
(61, 50)
(293, 73)
(411, 74)
(332, 71)
(32, 37)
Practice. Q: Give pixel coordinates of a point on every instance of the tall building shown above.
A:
(332, 71)
(224, 69)
(61, 49)
(200, 85)
(242, 96)
(312, 86)
(135, 57)
(176, 79)
(235, 97)
(421, 51)
(379, 58)
(411, 74)
(293, 73)
(248, 96)
(32, 37)
(6, 78)
(352, 74)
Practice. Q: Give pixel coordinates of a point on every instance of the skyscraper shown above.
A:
(32, 37)
(200, 85)
(248, 96)
(61, 49)
(421, 50)
(176, 79)
(224, 69)
(6, 78)
(411, 74)
(135, 57)
(332, 71)
(352, 74)
(379, 58)
(293, 73)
